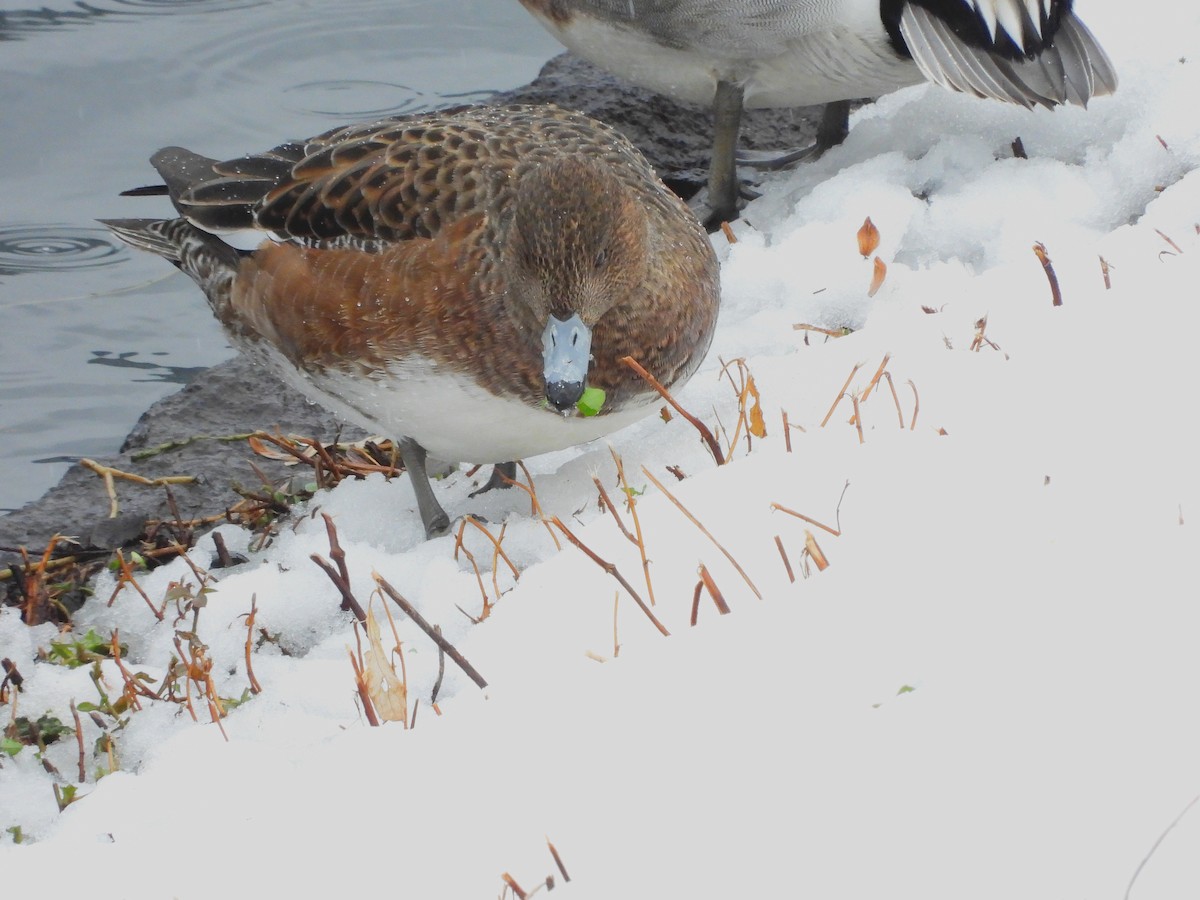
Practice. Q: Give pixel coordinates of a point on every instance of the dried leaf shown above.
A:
(388, 693)
(268, 452)
(754, 421)
(877, 278)
(868, 238)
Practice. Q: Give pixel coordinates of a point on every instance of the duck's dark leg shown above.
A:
(433, 517)
(503, 474)
(834, 126)
(722, 173)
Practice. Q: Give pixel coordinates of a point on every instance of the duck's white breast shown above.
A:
(450, 414)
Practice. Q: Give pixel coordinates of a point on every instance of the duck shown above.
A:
(456, 280)
(733, 55)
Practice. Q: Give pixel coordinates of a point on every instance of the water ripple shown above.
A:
(16, 22)
(55, 248)
(363, 99)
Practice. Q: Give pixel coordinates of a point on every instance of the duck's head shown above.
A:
(577, 249)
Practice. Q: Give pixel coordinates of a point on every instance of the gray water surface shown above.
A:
(92, 333)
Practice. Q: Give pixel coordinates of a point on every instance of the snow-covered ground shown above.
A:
(993, 689)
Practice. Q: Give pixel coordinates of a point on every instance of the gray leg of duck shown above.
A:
(433, 517)
(832, 130)
(722, 174)
(502, 475)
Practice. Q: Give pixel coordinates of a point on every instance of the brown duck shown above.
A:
(454, 280)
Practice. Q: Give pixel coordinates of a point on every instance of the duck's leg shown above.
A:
(503, 474)
(722, 173)
(433, 517)
(834, 126)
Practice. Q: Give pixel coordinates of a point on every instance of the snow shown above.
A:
(991, 691)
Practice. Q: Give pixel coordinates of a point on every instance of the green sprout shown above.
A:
(591, 401)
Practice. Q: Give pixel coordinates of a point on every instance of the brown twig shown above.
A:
(916, 406)
(658, 484)
(841, 394)
(1039, 250)
(786, 563)
(713, 591)
(255, 687)
(434, 634)
(791, 512)
(360, 684)
(126, 577)
(558, 861)
(79, 741)
(895, 398)
(513, 886)
(340, 577)
(611, 570)
(713, 447)
(857, 417)
(534, 503)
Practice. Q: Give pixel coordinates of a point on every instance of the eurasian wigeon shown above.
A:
(735, 54)
(454, 280)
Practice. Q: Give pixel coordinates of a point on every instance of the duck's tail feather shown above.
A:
(203, 257)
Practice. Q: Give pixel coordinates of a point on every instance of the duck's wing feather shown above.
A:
(1070, 68)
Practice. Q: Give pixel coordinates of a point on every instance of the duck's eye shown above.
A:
(601, 259)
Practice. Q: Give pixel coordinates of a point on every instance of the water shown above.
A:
(92, 333)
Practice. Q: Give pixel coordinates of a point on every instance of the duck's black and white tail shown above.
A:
(203, 257)
(1029, 52)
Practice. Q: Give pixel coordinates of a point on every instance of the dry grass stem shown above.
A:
(255, 687)
(616, 640)
(79, 741)
(514, 887)
(786, 562)
(658, 484)
(730, 237)
(705, 434)
(360, 685)
(1039, 250)
(713, 591)
(857, 418)
(750, 414)
(1104, 269)
(434, 634)
(459, 547)
(895, 398)
(126, 577)
(695, 617)
(109, 474)
(791, 512)
(841, 394)
(558, 861)
(613, 571)
(535, 505)
(912, 426)
(814, 551)
(828, 332)
(1174, 246)
(631, 504)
